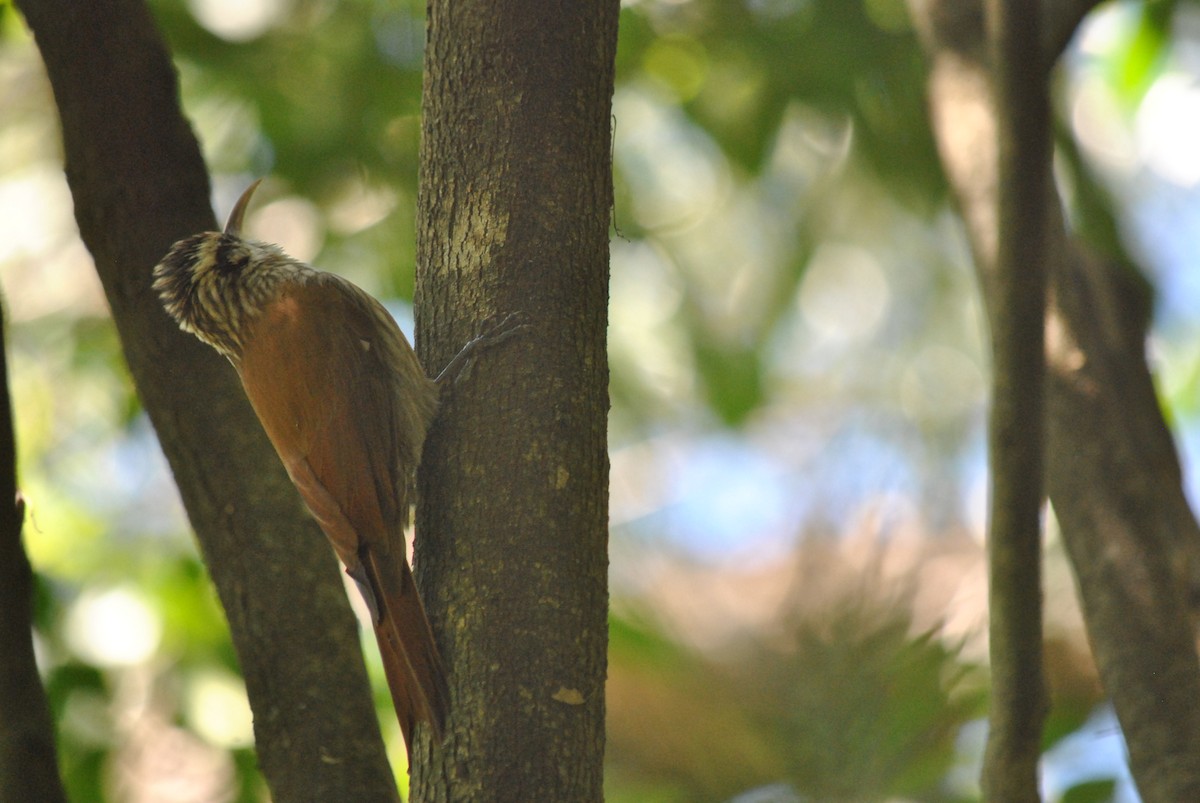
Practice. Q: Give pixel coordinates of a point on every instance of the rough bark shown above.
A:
(1017, 283)
(28, 763)
(515, 193)
(139, 183)
(1112, 471)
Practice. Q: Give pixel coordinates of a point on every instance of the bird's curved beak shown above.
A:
(234, 225)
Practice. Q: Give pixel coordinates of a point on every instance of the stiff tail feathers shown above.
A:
(410, 658)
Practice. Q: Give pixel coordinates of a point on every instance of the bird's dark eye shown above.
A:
(231, 257)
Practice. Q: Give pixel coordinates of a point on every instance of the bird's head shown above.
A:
(213, 284)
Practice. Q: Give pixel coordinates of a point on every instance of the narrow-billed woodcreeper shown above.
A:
(346, 404)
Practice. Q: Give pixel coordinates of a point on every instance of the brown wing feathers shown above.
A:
(351, 452)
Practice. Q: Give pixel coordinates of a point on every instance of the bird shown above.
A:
(346, 404)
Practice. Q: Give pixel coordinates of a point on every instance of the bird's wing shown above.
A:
(328, 379)
(319, 388)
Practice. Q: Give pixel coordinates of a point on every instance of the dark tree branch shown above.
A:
(1112, 471)
(1117, 490)
(1060, 21)
(958, 27)
(28, 763)
(1018, 286)
(139, 183)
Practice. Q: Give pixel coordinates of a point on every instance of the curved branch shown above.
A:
(139, 184)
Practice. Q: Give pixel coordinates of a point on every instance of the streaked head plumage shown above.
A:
(213, 284)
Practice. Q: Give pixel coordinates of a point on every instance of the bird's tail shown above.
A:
(410, 659)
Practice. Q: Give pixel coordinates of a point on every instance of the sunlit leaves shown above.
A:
(735, 68)
(1137, 59)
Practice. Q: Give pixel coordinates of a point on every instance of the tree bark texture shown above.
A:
(28, 761)
(1016, 442)
(515, 195)
(1112, 471)
(139, 184)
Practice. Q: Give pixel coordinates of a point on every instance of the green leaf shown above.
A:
(1139, 61)
(1091, 792)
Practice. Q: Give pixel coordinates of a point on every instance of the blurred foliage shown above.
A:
(853, 708)
(1090, 792)
(795, 344)
(736, 68)
(326, 100)
(866, 710)
(1143, 50)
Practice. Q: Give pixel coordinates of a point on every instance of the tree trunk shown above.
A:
(515, 194)
(28, 762)
(1016, 442)
(1112, 471)
(139, 184)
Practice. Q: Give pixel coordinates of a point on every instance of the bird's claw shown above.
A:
(493, 334)
(496, 332)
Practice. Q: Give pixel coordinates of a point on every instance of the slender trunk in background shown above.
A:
(1017, 283)
(1111, 468)
(512, 523)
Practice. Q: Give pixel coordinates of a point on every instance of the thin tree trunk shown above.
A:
(1112, 471)
(28, 762)
(139, 184)
(1018, 285)
(515, 194)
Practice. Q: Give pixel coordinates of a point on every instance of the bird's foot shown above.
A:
(493, 335)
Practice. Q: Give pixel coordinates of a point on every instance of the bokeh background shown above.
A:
(799, 376)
